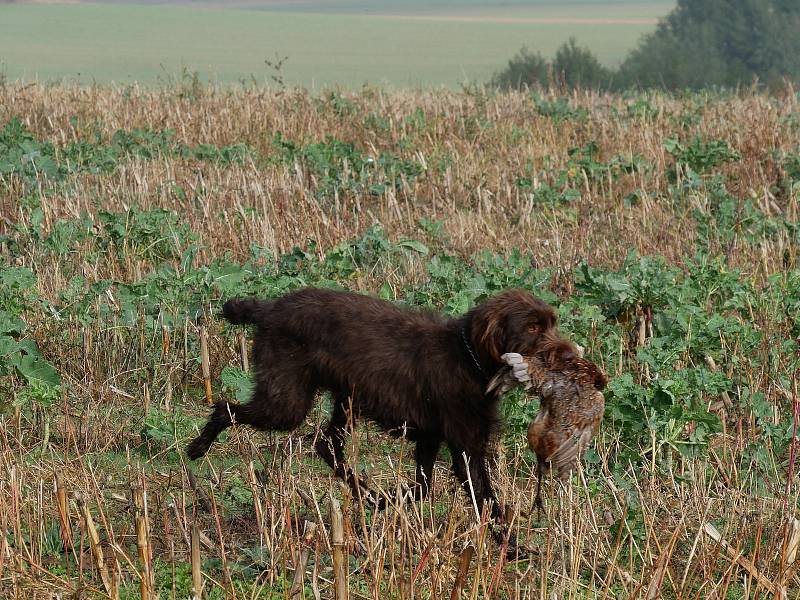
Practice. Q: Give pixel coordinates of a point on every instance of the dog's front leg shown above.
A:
(425, 452)
(472, 473)
(501, 530)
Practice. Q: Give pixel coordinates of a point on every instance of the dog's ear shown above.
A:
(488, 333)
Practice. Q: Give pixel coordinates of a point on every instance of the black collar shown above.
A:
(470, 350)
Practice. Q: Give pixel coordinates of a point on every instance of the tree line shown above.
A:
(701, 43)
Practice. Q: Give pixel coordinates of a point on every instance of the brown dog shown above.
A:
(413, 373)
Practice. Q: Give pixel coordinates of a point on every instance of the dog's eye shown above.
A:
(534, 329)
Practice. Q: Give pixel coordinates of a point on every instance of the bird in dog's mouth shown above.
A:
(571, 409)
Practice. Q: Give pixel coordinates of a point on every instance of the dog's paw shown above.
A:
(517, 552)
(379, 501)
(197, 448)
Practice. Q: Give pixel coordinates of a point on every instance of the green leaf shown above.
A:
(672, 146)
(17, 277)
(37, 370)
(10, 323)
(459, 303)
(239, 383)
(9, 350)
(415, 245)
(386, 292)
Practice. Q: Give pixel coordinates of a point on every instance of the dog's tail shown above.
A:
(244, 311)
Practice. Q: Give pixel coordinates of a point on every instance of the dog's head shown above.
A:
(513, 321)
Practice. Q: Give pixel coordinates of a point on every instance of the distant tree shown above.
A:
(719, 42)
(572, 67)
(577, 67)
(524, 69)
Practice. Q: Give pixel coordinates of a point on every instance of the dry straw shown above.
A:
(624, 532)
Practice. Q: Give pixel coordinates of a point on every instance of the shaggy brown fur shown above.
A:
(415, 374)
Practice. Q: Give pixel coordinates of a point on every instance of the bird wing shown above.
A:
(580, 425)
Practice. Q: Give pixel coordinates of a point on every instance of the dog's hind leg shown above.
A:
(218, 422)
(267, 411)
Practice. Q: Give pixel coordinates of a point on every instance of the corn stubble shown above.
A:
(94, 514)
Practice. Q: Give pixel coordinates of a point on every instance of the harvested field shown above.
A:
(663, 229)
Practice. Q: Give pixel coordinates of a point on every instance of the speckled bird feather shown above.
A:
(571, 408)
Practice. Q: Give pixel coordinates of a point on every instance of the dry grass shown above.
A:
(474, 147)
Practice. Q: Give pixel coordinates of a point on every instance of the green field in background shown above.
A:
(462, 41)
